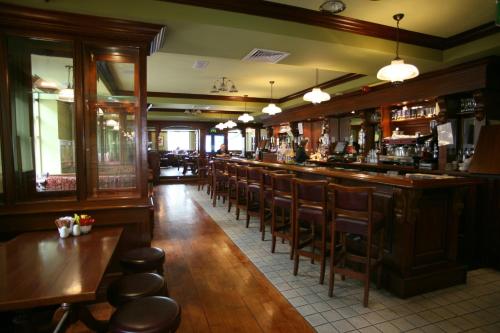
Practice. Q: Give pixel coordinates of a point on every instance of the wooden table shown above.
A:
(41, 269)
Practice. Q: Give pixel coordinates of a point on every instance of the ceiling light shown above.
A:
(332, 6)
(245, 117)
(271, 109)
(223, 84)
(230, 124)
(67, 94)
(220, 126)
(397, 71)
(316, 96)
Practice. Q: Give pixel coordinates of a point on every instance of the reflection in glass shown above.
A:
(42, 122)
(116, 127)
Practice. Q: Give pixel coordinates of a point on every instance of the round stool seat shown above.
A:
(144, 259)
(131, 287)
(154, 314)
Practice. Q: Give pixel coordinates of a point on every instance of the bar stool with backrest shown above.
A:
(282, 199)
(254, 195)
(311, 219)
(219, 183)
(241, 189)
(266, 198)
(352, 213)
(231, 185)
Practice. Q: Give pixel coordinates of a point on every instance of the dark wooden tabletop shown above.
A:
(39, 268)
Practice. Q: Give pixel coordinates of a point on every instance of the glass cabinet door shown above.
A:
(43, 117)
(113, 113)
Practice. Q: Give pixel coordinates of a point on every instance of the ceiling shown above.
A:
(223, 38)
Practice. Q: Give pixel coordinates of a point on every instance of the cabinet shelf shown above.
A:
(413, 120)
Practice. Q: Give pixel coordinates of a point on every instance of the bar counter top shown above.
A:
(416, 180)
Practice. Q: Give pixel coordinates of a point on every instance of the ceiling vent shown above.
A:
(200, 64)
(269, 56)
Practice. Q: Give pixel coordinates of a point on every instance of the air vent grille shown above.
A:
(200, 64)
(269, 56)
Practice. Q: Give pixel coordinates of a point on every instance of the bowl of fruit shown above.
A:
(85, 222)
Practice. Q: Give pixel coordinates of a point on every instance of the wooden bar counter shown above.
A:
(422, 215)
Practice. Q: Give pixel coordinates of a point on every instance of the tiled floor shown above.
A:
(474, 307)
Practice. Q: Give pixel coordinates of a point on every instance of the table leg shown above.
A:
(79, 312)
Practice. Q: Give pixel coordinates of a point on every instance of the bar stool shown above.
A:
(144, 259)
(231, 185)
(282, 198)
(352, 213)
(130, 287)
(154, 314)
(219, 183)
(241, 189)
(254, 196)
(311, 213)
(266, 198)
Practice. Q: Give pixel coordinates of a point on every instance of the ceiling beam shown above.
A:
(209, 97)
(342, 23)
(154, 109)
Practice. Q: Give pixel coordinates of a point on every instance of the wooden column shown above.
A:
(203, 134)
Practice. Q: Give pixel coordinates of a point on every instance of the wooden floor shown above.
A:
(219, 289)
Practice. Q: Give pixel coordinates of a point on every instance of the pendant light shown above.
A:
(316, 95)
(220, 126)
(397, 71)
(230, 124)
(67, 94)
(245, 117)
(271, 109)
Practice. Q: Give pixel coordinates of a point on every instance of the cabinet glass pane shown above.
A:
(116, 125)
(43, 116)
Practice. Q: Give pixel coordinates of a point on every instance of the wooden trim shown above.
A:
(209, 97)
(45, 21)
(313, 17)
(167, 110)
(471, 35)
(342, 23)
(171, 123)
(324, 85)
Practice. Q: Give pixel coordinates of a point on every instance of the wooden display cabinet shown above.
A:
(73, 120)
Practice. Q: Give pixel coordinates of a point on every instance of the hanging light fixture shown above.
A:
(332, 6)
(271, 109)
(245, 117)
(316, 95)
(223, 84)
(230, 124)
(397, 71)
(220, 126)
(67, 94)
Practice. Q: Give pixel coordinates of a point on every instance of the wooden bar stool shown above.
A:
(254, 195)
(352, 213)
(144, 259)
(310, 225)
(219, 183)
(266, 198)
(202, 170)
(282, 199)
(241, 189)
(154, 314)
(130, 287)
(231, 185)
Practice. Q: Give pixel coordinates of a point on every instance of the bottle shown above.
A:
(435, 154)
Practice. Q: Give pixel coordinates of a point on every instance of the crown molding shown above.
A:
(26, 19)
(170, 110)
